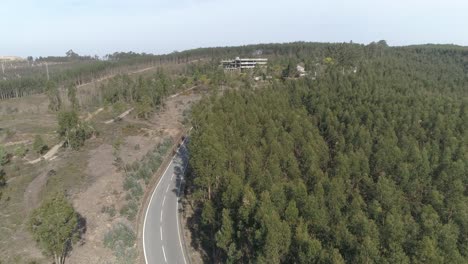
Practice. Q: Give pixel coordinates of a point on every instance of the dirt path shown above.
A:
(179, 93)
(113, 75)
(17, 143)
(90, 116)
(31, 194)
(122, 115)
(49, 155)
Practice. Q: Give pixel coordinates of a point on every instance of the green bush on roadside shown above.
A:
(121, 240)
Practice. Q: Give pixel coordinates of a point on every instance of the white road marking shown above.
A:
(164, 199)
(164, 253)
(160, 220)
(167, 189)
(149, 205)
(177, 215)
(160, 231)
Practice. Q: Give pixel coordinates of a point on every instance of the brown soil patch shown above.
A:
(135, 147)
(31, 194)
(105, 190)
(107, 186)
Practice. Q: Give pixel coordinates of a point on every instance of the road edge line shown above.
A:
(149, 204)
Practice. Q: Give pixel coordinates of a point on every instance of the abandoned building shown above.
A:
(239, 64)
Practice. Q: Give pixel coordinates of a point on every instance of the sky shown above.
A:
(90, 27)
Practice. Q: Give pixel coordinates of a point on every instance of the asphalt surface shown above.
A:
(161, 235)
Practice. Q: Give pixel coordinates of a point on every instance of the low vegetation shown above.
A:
(138, 175)
(121, 240)
(39, 146)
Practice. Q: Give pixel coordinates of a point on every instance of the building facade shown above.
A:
(239, 64)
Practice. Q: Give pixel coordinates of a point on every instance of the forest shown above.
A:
(367, 163)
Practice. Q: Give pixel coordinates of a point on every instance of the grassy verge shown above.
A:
(121, 238)
(138, 175)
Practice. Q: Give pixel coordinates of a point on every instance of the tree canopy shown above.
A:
(55, 227)
(367, 163)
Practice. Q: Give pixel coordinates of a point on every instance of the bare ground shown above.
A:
(103, 183)
(107, 188)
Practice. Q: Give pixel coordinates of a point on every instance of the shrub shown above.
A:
(137, 191)
(121, 240)
(3, 156)
(119, 234)
(130, 183)
(129, 210)
(39, 145)
(110, 210)
(21, 151)
(2, 177)
(143, 172)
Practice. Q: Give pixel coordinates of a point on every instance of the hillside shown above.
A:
(361, 158)
(367, 163)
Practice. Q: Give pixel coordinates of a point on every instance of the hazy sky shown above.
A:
(51, 27)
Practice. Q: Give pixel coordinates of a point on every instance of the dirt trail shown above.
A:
(179, 93)
(90, 116)
(49, 155)
(17, 143)
(122, 115)
(113, 75)
(31, 194)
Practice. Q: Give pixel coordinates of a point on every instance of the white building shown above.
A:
(301, 71)
(247, 63)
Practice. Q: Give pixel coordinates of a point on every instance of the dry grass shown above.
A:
(88, 176)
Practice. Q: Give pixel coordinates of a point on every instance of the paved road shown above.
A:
(161, 235)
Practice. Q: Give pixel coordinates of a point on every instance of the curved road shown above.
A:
(161, 235)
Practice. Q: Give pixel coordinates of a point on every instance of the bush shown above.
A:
(3, 156)
(137, 191)
(130, 210)
(2, 177)
(21, 151)
(121, 235)
(130, 183)
(39, 145)
(135, 165)
(110, 210)
(143, 173)
(121, 240)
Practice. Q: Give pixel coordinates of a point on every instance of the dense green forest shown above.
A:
(25, 78)
(367, 163)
